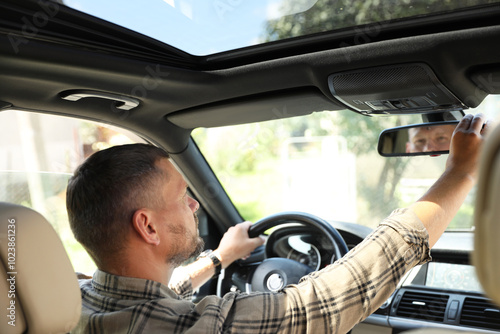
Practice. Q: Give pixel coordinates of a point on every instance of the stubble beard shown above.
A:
(197, 244)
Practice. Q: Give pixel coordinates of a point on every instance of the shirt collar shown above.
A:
(129, 287)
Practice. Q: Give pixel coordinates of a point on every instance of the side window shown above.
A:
(38, 154)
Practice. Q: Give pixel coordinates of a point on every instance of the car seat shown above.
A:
(39, 291)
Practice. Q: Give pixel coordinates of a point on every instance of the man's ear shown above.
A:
(145, 227)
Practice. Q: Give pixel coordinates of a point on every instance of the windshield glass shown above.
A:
(325, 164)
(202, 27)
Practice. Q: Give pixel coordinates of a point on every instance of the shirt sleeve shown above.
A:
(338, 297)
(332, 300)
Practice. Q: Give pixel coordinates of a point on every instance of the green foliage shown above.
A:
(328, 15)
(249, 210)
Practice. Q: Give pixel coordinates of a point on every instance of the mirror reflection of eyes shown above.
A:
(417, 139)
(419, 144)
(443, 139)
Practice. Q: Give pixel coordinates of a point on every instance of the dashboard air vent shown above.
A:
(480, 313)
(425, 306)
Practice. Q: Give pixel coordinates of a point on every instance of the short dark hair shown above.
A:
(106, 190)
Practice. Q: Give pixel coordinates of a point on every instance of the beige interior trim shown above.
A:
(486, 255)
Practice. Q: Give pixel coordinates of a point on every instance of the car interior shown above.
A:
(297, 115)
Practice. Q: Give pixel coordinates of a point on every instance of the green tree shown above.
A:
(327, 15)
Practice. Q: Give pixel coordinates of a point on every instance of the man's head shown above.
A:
(431, 138)
(123, 191)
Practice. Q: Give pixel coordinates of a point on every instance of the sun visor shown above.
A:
(397, 89)
(276, 105)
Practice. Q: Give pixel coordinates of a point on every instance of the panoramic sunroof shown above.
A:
(203, 27)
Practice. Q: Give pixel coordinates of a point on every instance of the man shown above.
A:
(94, 210)
(431, 138)
(153, 228)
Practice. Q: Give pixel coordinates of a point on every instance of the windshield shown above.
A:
(325, 164)
(202, 27)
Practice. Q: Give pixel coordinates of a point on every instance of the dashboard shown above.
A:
(444, 293)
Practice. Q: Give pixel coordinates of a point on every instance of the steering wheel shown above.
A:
(275, 273)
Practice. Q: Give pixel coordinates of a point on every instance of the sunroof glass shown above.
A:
(203, 27)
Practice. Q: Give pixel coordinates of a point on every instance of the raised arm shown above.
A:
(441, 202)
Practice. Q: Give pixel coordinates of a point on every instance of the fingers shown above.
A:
(477, 123)
(236, 244)
(470, 122)
(257, 241)
(465, 145)
(464, 123)
(246, 225)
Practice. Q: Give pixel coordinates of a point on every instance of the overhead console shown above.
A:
(395, 89)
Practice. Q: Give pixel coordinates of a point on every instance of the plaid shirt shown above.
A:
(182, 286)
(332, 300)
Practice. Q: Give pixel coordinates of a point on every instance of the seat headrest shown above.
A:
(40, 286)
(486, 256)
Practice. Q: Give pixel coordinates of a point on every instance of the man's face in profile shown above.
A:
(429, 138)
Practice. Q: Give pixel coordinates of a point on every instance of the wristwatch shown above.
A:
(217, 265)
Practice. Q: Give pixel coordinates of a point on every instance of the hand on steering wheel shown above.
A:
(275, 273)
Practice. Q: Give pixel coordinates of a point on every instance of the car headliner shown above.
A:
(179, 92)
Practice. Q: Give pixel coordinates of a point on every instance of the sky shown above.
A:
(199, 27)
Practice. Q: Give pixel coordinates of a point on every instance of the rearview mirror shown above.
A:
(417, 139)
